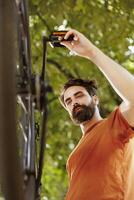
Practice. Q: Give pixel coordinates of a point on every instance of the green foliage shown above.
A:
(109, 25)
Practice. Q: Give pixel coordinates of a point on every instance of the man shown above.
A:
(101, 167)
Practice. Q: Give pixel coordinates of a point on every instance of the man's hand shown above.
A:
(80, 44)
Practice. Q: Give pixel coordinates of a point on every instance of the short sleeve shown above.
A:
(119, 127)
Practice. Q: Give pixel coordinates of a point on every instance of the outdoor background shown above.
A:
(109, 24)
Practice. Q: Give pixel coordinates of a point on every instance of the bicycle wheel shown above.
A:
(25, 99)
(31, 92)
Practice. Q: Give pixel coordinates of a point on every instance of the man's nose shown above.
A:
(75, 104)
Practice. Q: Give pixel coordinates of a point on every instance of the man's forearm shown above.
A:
(120, 79)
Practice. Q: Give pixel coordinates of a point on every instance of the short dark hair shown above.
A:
(89, 85)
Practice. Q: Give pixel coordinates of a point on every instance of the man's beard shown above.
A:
(82, 113)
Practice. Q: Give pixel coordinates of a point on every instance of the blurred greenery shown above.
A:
(109, 25)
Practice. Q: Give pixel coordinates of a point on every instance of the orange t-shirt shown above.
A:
(101, 167)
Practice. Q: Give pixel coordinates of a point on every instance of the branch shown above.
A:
(44, 21)
(106, 4)
(61, 69)
(36, 10)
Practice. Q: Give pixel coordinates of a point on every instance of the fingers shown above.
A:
(72, 32)
(68, 34)
(76, 38)
(69, 45)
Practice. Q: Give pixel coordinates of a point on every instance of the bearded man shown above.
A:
(101, 167)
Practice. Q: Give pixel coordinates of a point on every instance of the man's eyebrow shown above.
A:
(75, 94)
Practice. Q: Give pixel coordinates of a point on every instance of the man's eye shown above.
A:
(80, 95)
(68, 102)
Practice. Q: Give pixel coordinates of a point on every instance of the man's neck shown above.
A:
(87, 124)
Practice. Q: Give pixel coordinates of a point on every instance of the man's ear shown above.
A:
(95, 99)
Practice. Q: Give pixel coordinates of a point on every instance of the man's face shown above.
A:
(79, 104)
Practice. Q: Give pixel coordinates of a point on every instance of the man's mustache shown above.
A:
(76, 107)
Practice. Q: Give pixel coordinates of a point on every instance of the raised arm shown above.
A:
(120, 79)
